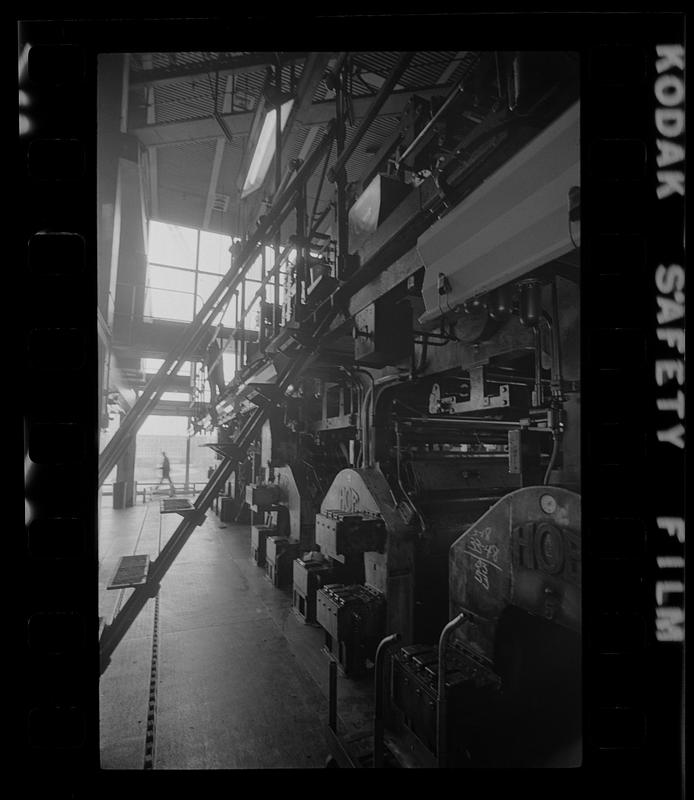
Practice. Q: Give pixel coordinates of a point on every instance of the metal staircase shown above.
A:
(233, 452)
(199, 329)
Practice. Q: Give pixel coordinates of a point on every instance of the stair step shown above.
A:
(177, 505)
(131, 571)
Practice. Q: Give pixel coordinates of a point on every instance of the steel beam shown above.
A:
(198, 329)
(371, 114)
(311, 76)
(239, 123)
(234, 65)
(214, 178)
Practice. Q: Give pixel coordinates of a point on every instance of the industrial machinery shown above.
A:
(416, 404)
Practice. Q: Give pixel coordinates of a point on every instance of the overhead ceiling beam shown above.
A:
(311, 76)
(452, 67)
(217, 162)
(239, 124)
(214, 178)
(373, 111)
(234, 65)
(152, 151)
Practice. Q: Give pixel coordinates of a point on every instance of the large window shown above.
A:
(185, 266)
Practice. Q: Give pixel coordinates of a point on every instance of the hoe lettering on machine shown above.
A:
(669, 280)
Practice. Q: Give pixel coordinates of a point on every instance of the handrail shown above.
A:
(378, 697)
(441, 699)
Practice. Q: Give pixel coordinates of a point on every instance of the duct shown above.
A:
(516, 221)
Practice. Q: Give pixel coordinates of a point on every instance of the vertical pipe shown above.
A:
(276, 319)
(301, 254)
(441, 707)
(278, 181)
(341, 176)
(556, 345)
(263, 270)
(332, 696)
(185, 488)
(538, 366)
(242, 321)
(195, 286)
(237, 353)
(379, 695)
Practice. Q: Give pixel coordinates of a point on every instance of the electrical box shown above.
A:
(383, 333)
(524, 456)
(339, 534)
(353, 618)
(309, 577)
(259, 534)
(280, 553)
(258, 496)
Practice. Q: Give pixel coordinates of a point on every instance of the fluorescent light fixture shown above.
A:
(264, 149)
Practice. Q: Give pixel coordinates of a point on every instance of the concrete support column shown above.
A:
(124, 487)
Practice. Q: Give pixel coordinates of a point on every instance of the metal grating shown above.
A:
(131, 571)
(187, 166)
(175, 505)
(138, 61)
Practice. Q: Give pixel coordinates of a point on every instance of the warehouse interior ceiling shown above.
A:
(192, 113)
(178, 134)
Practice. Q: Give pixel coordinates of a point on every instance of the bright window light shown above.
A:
(265, 149)
(229, 362)
(156, 425)
(172, 244)
(206, 285)
(169, 305)
(270, 293)
(178, 397)
(151, 366)
(214, 252)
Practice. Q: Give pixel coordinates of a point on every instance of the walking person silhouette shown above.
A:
(166, 474)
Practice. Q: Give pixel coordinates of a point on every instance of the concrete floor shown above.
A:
(241, 681)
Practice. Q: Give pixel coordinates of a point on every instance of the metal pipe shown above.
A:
(323, 214)
(552, 458)
(383, 94)
(425, 130)
(301, 255)
(379, 697)
(441, 707)
(341, 180)
(557, 379)
(400, 484)
(319, 190)
(332, 696)
(538, 365)
(481, 423)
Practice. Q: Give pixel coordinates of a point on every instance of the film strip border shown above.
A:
(633, 311)
(55, 228)
(634, 468)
